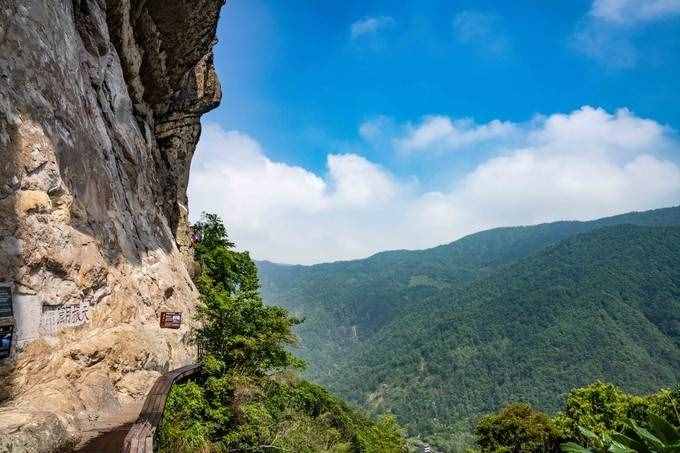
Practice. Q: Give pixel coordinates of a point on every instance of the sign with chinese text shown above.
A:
(171, 319)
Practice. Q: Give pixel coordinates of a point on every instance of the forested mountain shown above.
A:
(524, 313)
(605, 304)
(349, 301)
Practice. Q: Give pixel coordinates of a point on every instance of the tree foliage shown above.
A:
(248, 397)
(597, 418)
(443, 335)
(661, 436)
(518, 428)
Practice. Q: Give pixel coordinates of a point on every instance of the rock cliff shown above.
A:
(100, 102)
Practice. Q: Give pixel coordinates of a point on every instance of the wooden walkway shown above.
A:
(140, 436)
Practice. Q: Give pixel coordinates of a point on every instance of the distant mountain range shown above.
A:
(439, 336)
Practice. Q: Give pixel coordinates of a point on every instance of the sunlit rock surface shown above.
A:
(100, 102)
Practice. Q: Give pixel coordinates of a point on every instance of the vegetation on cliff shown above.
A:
(248, 397)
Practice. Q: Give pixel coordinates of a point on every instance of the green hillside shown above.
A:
(441, 335)
(346, 303)
(602, 305)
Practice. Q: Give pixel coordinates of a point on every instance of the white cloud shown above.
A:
(281, 211)
(634, 11)
(441, 133)
(482, 30)
(375, 129)
(581, 165)
(608, 32)
(358, 182)
(232, 164)
(609, 46)
(536, 185)
(593, 130)
(370, 25)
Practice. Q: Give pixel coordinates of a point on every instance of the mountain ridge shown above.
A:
(671, 211)
(365, 294)
(373, 327)
(520, 336)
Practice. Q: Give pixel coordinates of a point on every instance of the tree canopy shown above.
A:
(248, 396)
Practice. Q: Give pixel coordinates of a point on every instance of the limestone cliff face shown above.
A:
(100, 102)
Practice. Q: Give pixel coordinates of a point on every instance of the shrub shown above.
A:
(599, 417)
(660, 437)
(517, 428)
(185, 426)
(601, 408)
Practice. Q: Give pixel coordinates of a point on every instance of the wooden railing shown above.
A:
(141, 435)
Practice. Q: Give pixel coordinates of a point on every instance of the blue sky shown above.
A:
(416, 100)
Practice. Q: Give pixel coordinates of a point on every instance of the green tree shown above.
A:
(247, 396)
(517, 428)
(602, 408)
(666, 404)
(597, 418)
(660, 436)
(238, 332)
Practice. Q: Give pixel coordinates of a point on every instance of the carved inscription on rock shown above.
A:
(57, 317)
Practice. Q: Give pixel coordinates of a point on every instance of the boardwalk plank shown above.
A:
(140, 437)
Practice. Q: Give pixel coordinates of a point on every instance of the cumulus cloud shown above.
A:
(358, 182)
(580, 165)
(441, 133)
(634, 11)
(593, 130)
(537, 185)
(370, 25)
(285, 212)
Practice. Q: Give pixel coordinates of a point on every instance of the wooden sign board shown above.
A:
(171, 319)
